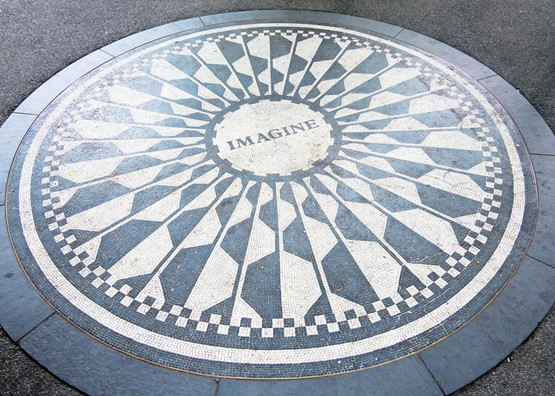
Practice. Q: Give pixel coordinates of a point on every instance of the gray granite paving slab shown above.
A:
(506, 322)
(11, 133)
(135, 40)
(464, 62)
(346, 20)
(36, 102)
(536, 133)
(97, 370)
(22, 308)
(543, 247)
(406, 376)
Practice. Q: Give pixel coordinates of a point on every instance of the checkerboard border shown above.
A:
(320, 324)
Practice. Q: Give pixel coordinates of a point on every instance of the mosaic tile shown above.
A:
(271, 200)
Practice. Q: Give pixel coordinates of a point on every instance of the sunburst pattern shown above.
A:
(150, 213)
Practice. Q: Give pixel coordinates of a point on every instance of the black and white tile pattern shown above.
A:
(271, 200)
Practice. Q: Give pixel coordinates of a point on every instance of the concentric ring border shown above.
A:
(23, 117)
(126, 334)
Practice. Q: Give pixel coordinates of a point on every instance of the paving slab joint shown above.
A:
(24, 113)
(542, 154)
(21, 338)
(399, 33)
(541, 261)
(107, 53)
(431, 374)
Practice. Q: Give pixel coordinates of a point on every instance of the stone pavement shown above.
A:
(536, 373)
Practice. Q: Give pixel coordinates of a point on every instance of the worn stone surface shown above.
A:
(221, 201)
(454, 37)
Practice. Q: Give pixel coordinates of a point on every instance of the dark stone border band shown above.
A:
(443, 368)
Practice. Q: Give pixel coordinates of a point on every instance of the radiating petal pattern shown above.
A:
(300, 187)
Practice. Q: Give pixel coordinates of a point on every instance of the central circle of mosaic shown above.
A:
(287, 137)
(270, 201)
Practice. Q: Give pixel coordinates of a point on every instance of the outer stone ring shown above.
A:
(272, 200)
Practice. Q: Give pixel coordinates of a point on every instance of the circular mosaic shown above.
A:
(271, 200)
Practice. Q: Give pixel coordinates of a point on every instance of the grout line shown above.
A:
(541, 261)
(542, 154)
(34, 327)
(112, 55)
(401, 31)
(107, 53)
(21, 112)
(431, 373)
(485, 78)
